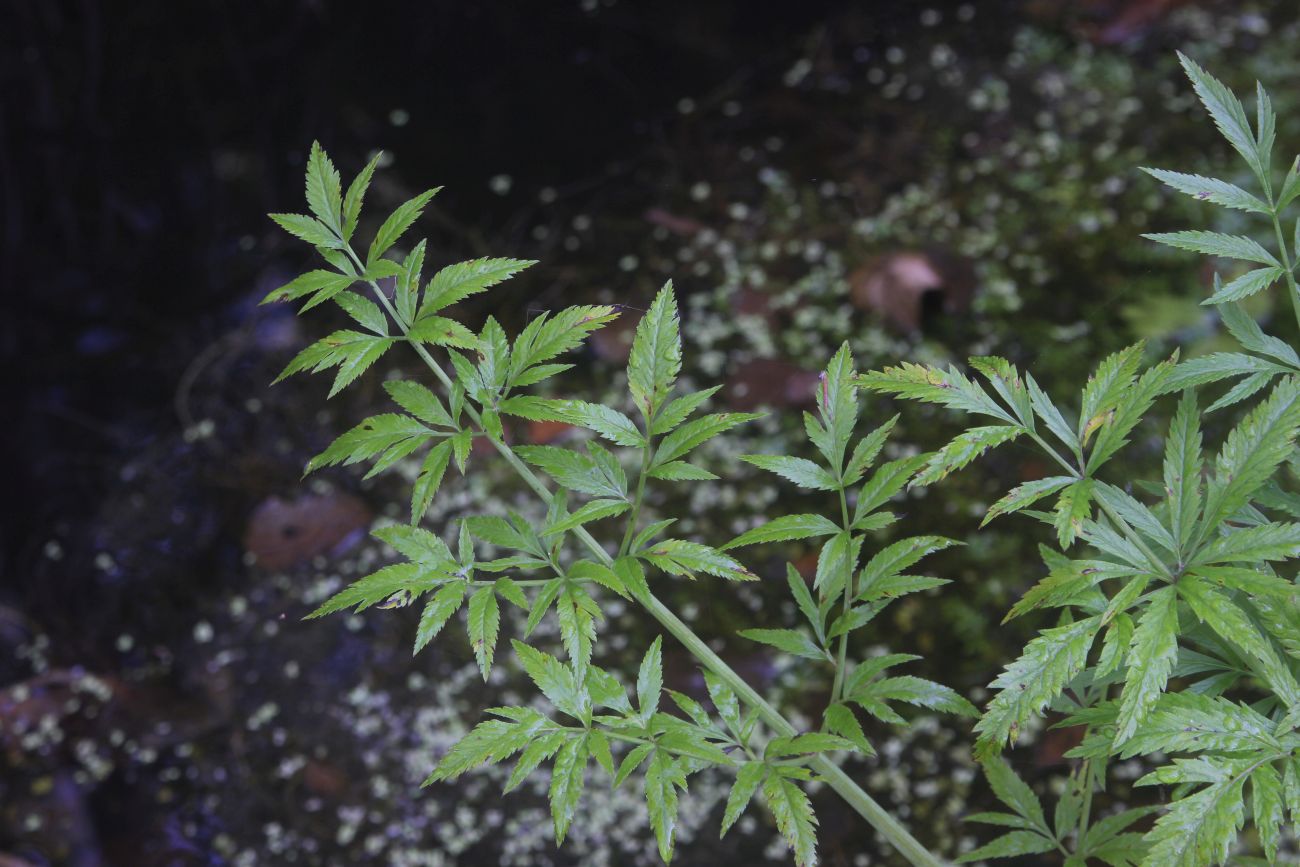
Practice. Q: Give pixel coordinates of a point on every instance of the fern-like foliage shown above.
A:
(599, 489)
(1170, 612)
(1176, 629)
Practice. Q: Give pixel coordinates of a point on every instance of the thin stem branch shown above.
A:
(1085, 814)
(841, 658)
(1076, 472)
(647, 453)
(1129, 533)
(527, 582)
(877, 816)
(1292, 290)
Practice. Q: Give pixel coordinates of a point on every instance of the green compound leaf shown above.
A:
(417, 545)
(801, 471)
(440, 608)
(1191, 722)
(1233, 625)
(694, 433)
(1210, 190)
(1199, 830)
(1251, 454)
(866, 452)
(1132, 404)
(324, 188)
(1252, 544)
(678, 557)
(1073, 508)
(895, 558)
(321, 285)
(1106, 387)
(459, 281)
(1048, 663)
(484, 624)
(430, 477)
(887, 481)
(397, 224)
(784, 529)
(1248, 333)
(920, 693)
(1025, 495)
(1267, 804)
(1228, 115)
(1216, 244)
(1218, 366)
(1010, 845)
(540, 750)
(680, 409)
(1182, 470)
(307, 229)
(680, 471)
(1014, 792)
(609, 423)
(794, 816)
(1151, 656)
(350, 351)
(837, 403)
(547, 336)
(554, 679)
(356, 194)
(1246, 285)
(650, 679)
(364, 312)
(748, 779)
(788, 640)
(419, 402)
(840, 720)
(588, 512)
(375, 435)
(490, 742)
(663, 777)
(399, 578)
(932, 385)
(568, 777)
(965, 448)
(587, 474)
(656, 356)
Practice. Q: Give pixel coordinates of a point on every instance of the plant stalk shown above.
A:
(1292, 289)
(1132, 535)
(1128, 531)
(842, 654)
(647, 455)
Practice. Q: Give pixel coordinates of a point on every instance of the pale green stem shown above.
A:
(1292, 290)
(1076, 472)
(841, 658)
(1085, 815)
(1156, 562)
(528, 582)
(879, 818)
(1128, 531)
(646, 455)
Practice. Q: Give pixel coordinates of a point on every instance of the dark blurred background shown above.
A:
(923, 179)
